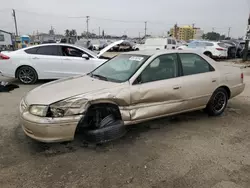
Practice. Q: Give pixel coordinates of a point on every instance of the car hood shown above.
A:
(65, 88)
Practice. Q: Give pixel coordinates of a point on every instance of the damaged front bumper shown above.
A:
(46, 129)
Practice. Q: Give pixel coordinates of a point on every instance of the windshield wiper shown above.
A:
(99, 76)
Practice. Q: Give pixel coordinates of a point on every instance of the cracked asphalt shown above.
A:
(186, 151)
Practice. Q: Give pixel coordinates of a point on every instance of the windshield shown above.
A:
(120, 68)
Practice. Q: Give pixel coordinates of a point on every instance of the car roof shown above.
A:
(52, 44)
(158, 52)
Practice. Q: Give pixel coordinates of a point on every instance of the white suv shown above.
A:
(212, 49)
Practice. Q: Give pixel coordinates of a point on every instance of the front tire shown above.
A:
(27, 75)
(217, 103)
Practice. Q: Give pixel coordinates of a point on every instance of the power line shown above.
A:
(40, 14)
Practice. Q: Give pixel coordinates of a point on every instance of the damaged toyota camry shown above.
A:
(130, 88)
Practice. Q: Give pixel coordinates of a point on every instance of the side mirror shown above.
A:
(85, 56)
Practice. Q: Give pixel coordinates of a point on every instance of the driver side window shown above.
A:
(161, 68)
(72, 52)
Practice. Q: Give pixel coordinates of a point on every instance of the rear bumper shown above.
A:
(237, 90)
(220, 57)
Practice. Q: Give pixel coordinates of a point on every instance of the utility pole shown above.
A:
(14, 15)
(212, 29)
(245, 52)
(87, 21)
(229, 29)
(145, 29)
(99, 32)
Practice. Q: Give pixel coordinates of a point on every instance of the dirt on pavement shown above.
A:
(190, 150)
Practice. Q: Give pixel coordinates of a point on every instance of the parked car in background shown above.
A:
(50, 61)
(126, 46)
(211, 49)
(157, 44)
(231, 49)
(238, 44)
(130, 88)
(49, 41)
(99, 44)
(85, 43)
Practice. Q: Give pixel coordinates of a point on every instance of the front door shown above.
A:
(158, 89)
(200, 80)
(74, 64)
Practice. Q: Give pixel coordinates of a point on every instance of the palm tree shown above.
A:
(67, 33)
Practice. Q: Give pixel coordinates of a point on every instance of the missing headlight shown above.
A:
(55, 112)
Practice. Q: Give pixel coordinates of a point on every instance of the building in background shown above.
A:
(44, 37)
(198, 33)
(186, 32)
(5, 38)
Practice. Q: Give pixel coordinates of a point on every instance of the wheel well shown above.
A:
(227, 90)
(207, 52)
(108, 108)
(21, 67)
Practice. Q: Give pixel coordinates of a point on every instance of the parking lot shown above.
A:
(189, 150)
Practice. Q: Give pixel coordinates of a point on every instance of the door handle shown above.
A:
(35, 58)
(214, 80)
(176, 87)
(66, 59)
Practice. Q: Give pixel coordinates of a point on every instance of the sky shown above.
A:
(128, 17)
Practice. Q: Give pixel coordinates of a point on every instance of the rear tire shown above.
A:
(217, 103)
(27, 75)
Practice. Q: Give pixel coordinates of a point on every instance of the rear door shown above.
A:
(199, 80)
(47, 61)
(74, 64)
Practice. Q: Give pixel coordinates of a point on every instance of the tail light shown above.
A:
(4, 57)
(220, 49)
(242, 77)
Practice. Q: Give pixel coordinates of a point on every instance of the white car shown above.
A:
(50, 61)
(157, 44)
(211, 49)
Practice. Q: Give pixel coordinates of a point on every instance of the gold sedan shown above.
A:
(130, 88)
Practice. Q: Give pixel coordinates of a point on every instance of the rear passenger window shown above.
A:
(31, 50)
(48, 50)
(194, 64)
(174, 42)
(209, 44)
